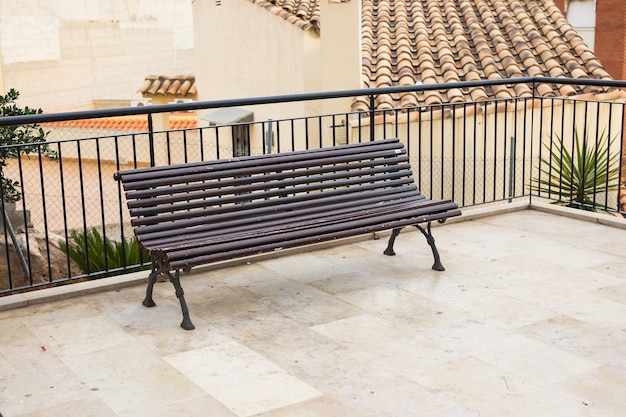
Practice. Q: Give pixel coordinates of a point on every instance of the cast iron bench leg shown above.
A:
(186, 323)
(158, 267)
(437, 266)
(148, 301)
(394, 234)
(156, 270)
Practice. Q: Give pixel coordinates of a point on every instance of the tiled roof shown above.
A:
(130, 123)
(438, 41)
(164, 85)
(405, 42)
(303, 13)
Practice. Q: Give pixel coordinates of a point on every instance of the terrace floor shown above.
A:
(528, 320)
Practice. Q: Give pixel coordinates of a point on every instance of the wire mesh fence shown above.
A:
(473, 153)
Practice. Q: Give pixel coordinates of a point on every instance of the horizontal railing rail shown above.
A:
(286, 98)
(71, 222)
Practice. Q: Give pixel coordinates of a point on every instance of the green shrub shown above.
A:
(94, 253)
(23, 139)
(576, 177)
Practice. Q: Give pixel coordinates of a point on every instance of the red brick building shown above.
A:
(610, 33)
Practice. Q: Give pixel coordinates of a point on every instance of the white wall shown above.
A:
(242, 50)
(63, 54)
(245, 51)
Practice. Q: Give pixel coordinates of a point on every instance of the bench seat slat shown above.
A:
(322, 221)
(296, 229)
(276, 222)
(242, 168)
(143, 194)
(294, 204)
(252, 218)
(260, 183)
(272, 246)
(252, 201)
(131, 176)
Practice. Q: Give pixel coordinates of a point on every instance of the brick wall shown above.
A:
(561, 5)
(610, 36)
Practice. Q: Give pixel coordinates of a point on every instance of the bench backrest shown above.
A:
(198, 197)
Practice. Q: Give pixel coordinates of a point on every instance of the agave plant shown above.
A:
(577, 176)
(94, 253)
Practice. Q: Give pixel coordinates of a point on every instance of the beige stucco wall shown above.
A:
(437, 142)
(63, 54)
(111, 145)
(245, 51)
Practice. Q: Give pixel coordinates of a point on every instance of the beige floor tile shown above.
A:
(32, 379)
(317, 407)
(218, 303)
(597, 311)
(60, 312)
(202, 406)
(250, 274)
(479, 303)
(241, 379)
(351, 281)
(614, 268)
(598, 344)
(601, 390)
(528, 358)
(377, 392)
(396, 303)
(132, 380)
(613, 292)
(84, 407)
(301, 302)
(299, 268)
(492, 392)
(361, 331)
(77, 337)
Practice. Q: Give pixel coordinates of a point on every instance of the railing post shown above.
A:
(512, 170)
(532, 142)
(621, 207)
(151, 139)
(372, 114)
(270, 135)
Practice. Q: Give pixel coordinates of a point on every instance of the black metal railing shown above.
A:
(476, 153)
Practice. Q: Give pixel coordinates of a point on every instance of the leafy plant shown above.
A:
(577, 176)
(93, 253)
(21, 139)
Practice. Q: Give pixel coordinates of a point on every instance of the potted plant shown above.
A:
(576, 176)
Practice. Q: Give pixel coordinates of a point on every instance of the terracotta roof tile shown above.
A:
(164, 85)
(305, 14)
(473, 40)
(435, 41)
(130, 123)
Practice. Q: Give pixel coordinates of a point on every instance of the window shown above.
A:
(581, 14)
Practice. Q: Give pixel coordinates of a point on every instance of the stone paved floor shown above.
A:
(528, 320)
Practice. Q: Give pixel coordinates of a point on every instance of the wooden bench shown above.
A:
(203, 212)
